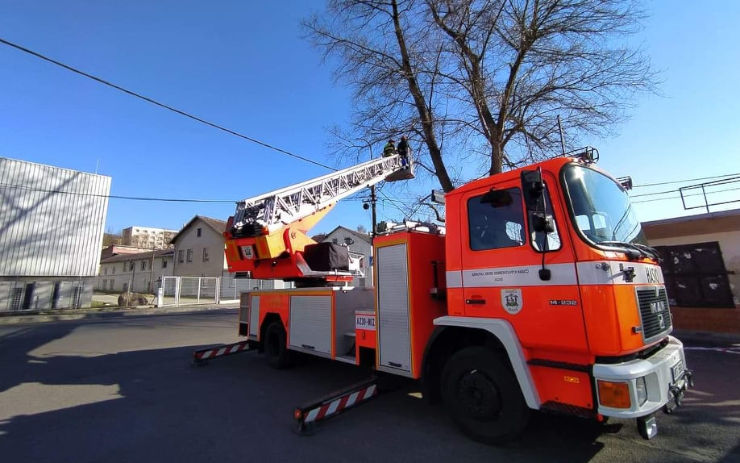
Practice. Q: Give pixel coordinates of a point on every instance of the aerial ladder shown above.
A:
(266, 238)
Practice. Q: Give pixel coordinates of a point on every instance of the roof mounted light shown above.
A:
(587, 155)
(626, 182)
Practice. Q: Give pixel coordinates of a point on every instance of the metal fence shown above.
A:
(189, 290)
(179, 290)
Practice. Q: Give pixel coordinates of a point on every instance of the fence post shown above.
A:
(177, 291)
(197, 298)
(218, 290)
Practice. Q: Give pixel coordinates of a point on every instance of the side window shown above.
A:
(496, 221)
(537, 238)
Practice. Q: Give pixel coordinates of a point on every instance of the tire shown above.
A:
(482, 395)
(276, 349)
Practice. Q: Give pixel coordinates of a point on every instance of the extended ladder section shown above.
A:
(263, 214)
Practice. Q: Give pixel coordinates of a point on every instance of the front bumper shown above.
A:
(666, 379)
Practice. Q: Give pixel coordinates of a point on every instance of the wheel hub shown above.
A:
(478, 395)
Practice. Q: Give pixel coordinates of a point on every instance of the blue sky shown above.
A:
(245, 65)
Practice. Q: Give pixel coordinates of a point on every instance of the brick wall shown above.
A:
(704, 319)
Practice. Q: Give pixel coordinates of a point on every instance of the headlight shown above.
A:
(641, 388)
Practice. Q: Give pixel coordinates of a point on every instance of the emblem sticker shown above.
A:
(511, 300)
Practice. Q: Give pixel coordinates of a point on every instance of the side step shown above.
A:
(201, 357)
(334, 404)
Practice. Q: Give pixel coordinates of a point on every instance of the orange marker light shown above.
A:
(614, 394)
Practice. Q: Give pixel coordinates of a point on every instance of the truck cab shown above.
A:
(553, 255)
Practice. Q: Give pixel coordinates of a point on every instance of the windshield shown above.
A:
(601, 207)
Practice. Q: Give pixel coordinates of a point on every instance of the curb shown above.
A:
(102, 314)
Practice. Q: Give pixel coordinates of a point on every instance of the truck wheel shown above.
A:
(483, 396)
(276, 349)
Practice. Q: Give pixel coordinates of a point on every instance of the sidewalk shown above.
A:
(15, 318)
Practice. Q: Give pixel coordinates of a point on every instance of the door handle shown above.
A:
(475, 301)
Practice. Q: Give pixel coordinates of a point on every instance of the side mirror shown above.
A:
(542, 222)
(534, 188)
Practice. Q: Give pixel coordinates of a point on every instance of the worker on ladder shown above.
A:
(403, 151)
(389, 149)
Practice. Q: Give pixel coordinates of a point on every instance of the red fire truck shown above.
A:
(539, 293)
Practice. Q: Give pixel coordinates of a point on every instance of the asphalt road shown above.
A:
(121, 389)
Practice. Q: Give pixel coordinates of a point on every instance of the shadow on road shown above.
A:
(153, 405)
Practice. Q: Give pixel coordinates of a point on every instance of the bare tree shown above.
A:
(484, 77)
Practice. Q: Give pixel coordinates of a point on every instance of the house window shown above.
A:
(180, 254)
(348, 241)
(143, 265)
(199, 232)
(335, 241)
(205, 254)
(164, 263)
(190, 255)
(131, 266)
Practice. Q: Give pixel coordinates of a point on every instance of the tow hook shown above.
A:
(647, 426)
(678, 392)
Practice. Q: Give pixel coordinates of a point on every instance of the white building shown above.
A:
(147, 237)
(51, 231)
(141, 272)
(359, 244)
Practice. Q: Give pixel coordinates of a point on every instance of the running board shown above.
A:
(201, 357)
(333, 404)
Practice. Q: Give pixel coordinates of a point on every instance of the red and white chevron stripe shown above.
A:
(339, 404)
(221, 351)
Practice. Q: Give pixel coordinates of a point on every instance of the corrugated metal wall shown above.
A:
(44, 232)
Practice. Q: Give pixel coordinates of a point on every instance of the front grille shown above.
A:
(654, 312)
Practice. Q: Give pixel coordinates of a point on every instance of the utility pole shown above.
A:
(151, 273)
(373, 200)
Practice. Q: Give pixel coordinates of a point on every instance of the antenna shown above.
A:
(562, 138)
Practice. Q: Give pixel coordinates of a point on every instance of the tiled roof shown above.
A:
(362, 236)
(137, 256)
(219, 226)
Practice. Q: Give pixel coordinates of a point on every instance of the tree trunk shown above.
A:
(497, 157)
(425, 114)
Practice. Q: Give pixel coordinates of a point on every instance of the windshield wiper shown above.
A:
(642, 250)
(648, 249)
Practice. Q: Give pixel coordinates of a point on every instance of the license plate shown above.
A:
(677, 371)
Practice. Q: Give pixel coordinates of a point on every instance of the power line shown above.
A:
(132, 198)
(683, 181)
(685, 196)
(162, 105)
(729, 180)
(151, 198)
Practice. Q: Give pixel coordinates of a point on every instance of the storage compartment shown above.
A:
(408, 265)
(324, 257)
(310, 323)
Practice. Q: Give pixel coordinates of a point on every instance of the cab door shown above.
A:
(502, 262)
